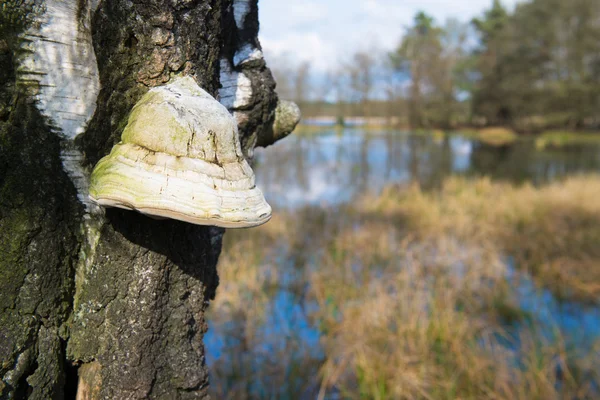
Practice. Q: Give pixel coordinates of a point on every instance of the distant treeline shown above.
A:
(535, 68)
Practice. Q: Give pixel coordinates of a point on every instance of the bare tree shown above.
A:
(302, 84)
(362, 79)
(282, 67)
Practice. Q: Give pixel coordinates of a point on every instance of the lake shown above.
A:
(317, 174)
(334, 166)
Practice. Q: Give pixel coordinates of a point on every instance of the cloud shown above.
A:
(329, 31)
(291, 15)
(307, 12)
(299, 47)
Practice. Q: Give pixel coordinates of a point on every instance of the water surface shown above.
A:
(323, 171)
(334, 166)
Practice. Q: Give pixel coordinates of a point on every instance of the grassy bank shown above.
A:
(496, 136)
(412, 295)
(565, 139)
(491, 136)
(552, 232)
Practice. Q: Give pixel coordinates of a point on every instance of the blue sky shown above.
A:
(327, 31)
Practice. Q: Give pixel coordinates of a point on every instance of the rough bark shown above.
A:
(111, 305)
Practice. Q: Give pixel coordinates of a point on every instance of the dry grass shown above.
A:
(410, 293)
(553, 231)
(497, 136)
(424, 320)
(395, 330)
(492, 136)
(565, 139)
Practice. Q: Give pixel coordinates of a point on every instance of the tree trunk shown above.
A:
(108, 304)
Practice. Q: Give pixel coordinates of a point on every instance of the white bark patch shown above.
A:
(247, 54)
(94, 5)
(72, 162)
(90, 229)
(60, 59)
(241, 8)
(236, 91)
(241, 117)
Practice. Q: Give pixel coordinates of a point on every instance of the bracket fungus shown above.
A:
(287, 116)
(180, 157)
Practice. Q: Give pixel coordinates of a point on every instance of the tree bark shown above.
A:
(109, 304)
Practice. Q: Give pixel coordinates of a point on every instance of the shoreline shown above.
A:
(494, 136)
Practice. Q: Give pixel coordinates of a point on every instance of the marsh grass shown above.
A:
(553, 231)
(412, 296)
(492, 136)
(430, 323)
(308, 130)
(566, 139)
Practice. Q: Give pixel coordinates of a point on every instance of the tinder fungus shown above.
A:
(180, 157)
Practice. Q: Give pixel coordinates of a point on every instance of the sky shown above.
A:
(327, 31)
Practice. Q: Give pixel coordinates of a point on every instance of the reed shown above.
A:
(553, 231)
(411, 295)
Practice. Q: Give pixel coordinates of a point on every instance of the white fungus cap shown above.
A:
(180, 157)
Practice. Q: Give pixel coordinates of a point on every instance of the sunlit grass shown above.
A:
(493, 136)
(552, 231)
(562, 139)
(496, 136)
(412, 295)
(307, 130)
(426, 319)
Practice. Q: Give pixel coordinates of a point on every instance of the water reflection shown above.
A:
(270, 347)
(580, 325)
(335, 166)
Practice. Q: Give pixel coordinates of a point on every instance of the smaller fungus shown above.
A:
(287, 116)
(180, 157)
